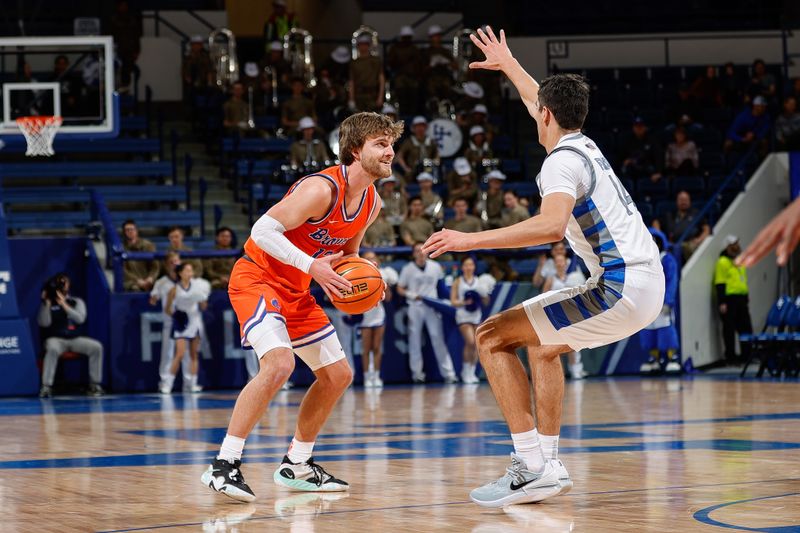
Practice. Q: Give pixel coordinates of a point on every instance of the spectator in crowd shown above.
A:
(126, 28)
(69, 84)
(367, 81)
(176, 244)
(706, 90)
(185, 303)
(404, 66)
(562, 279)
(473, 94)
(139, 275)
(480, 117)
(681, 158)
(467, 296)
(373, 326)
(339, 64)
(390, 111)
(438, 65)
(394, 200)
(787, 126)
(462, 182)
(641, 153)
(477, 147)
(462, 220)
(329, 95)
(278, 64)
(750, 128)
(416, 149)
(492, 203)
(660, 338)
(416, 227)
(380, 233)
(160, 294)
(218, 269)
(236, 111)
(731, 86)
(253, 82)
(730, 282)
(279, 23)
(62, 315)
(432, 203)
(514, 211)
(296, 107)
(308, 152)
(762, 83)
(678, 221)
(546, 266)
(684, 105)
(197, 70)
(419, 279)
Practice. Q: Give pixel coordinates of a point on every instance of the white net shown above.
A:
(39, 133)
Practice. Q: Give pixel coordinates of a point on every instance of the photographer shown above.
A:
(62, 315)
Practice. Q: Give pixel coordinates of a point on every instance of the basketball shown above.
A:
(367, 288)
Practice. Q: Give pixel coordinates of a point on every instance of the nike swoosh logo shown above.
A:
(219, 482)
(514, 486)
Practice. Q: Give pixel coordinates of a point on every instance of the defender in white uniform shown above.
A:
(582, 199)
(419, 278)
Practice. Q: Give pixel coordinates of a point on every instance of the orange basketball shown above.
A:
(367, 288)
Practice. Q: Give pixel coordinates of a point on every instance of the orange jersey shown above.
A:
(318, 238)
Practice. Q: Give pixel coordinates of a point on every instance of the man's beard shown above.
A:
(374, 168)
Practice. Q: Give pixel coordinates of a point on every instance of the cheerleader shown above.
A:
(561, 279)
(467, 296)
(185, 302)
(373, 327)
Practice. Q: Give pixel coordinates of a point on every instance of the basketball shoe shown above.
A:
(564, 481)
(226, 477)
(307, 476)
(518, 485)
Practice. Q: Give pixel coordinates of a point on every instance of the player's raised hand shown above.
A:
(445, 241)
(782, 233)
(497, 53)
(322, 272)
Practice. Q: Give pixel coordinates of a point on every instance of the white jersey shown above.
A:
(462, 315)
(188, 301)
(376, 316)
(161, 289)
(605, 229)
(421, 281)
(572, 279)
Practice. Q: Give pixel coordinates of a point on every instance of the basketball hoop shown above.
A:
(39, 133)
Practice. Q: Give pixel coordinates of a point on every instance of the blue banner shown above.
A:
(17, 359)
(794, 173)
(8, 296)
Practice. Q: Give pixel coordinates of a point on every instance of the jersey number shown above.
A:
(321, 252)
(624, 197)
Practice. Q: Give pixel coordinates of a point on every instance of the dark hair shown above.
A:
(413, 198)
(469, 256)
(461, 199)
(659, 242)
(129, 221)
(59, 57)
(176, 228)
(180, 267)
(567, 97)
(512, 192)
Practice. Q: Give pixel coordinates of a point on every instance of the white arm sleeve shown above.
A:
(268, 234)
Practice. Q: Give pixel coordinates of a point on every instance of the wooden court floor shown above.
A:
(675, 455)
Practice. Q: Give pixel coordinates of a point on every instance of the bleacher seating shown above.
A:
(74, 170)
(111, 193)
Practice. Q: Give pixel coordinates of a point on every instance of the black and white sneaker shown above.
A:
(226, 477)
(307, 476)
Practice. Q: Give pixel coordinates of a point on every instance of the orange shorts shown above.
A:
(260, 304)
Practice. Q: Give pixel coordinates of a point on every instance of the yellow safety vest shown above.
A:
(734, 278)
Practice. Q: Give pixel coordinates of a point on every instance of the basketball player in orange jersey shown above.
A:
(321, 219)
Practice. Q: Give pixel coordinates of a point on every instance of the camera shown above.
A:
(53, 286)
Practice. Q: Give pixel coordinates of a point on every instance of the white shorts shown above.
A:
(317, 350)
(374, 318)
(595, 313)
(468, 317)
(192, 329)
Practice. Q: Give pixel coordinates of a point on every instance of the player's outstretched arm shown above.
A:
(546, 227)
(499, 57)
(782, 233)
(310, 200)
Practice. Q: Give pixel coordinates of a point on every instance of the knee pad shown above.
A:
(267, 334)
(322, 352)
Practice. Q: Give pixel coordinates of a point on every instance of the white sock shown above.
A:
(300, 452)
(231, 449)
(527, 446)
(549, 446)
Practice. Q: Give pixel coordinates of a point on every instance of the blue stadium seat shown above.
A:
(256, 145)
(712, 161)
(654, 191)
(694, 185)
(524, 267)
(595, 75)
(69, 169)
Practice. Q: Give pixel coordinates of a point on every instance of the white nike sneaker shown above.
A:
(518, 485)
(377, 382)
(307, 476)
(564, 481)
(226, 477)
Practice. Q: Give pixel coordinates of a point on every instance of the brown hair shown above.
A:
(356, 129)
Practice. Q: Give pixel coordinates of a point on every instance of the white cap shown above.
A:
(425, 176)
(390, 179)
(197, 39)
(419, 119)
(462, 166)
(475, 130)
(480, 108)
(276, 46)
(495, 175)
(364, 38)
(433, 29)
(406, 31)
(473, 89)
(341, 55)
(388, 109)
(305, 123)
(251, 69)
(731, 239)
(759, 100)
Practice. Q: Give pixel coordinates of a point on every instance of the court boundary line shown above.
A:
(704, 515)
(425, 506)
